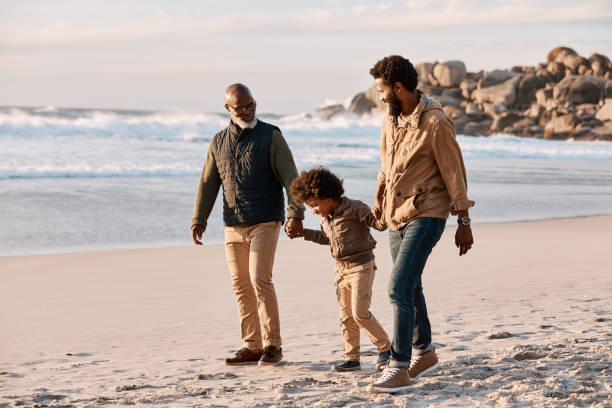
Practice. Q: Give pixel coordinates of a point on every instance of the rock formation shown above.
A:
(568, 96)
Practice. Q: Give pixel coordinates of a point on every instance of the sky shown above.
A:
(295, 56)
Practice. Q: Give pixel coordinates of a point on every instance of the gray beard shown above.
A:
(246, 125)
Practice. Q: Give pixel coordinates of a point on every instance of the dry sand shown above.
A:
(152, 326)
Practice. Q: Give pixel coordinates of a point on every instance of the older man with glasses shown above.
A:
(252, 161)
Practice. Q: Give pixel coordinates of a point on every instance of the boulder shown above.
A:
(524, 123)
(555, 52)
(449, 101)
(467, 86)
(572, 62)
(601, 133)
(504, 120)
(535, 111)
(533, 131)
(586, 110)
(361, 104)
(501, 93)
(596, 69)
(495, 77)
(561, 125)
(327, 112)
(460, 123)
(453, 112)
(471, 109)
(493, 110)
(605, 113)
(583, 69)
(474, 128)
(527, 88)
(599, 67)
(453, 93)
(602, 59)
(425, 71)
(449, 73)
(430, 90)
(543, 95)
(579, 89)
(556, 71)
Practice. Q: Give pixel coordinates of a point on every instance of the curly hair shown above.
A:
(395, 68)
(316, 183)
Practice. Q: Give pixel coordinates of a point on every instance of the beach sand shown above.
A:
(522, 320)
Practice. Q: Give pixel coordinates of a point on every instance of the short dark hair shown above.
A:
(396, 68)
(316, 183)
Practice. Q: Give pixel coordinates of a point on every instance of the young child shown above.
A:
(345, 226)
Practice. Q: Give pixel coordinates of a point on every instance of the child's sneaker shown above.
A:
(348, 365)
(383, 359)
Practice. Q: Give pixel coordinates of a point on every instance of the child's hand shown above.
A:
(294, 228)
(380, 226)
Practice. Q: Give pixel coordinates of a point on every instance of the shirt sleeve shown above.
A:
(208, 188)
(379, 198)
(450, 162)
(315, 236)
(365, 216)
(285, 171)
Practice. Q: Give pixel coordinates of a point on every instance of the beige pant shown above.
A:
(250, 257)
(354, 298)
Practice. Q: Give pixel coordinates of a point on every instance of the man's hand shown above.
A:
(294, 228)
(196, 233)
(464, 239)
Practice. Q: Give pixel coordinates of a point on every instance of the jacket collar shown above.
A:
(237, 130)
(344, 205)
(412, 121)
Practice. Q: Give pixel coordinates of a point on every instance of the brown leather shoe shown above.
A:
(391, 380)
(271, 355)
(423, 364)
(244, 356)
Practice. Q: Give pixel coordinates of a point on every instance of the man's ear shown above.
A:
(227, 107)
(397, 87)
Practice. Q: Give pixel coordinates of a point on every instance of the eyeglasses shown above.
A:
(245, 108)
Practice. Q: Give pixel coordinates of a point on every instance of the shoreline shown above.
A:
(283, 237)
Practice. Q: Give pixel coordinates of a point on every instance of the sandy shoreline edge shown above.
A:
(283, 237)
(153, 325)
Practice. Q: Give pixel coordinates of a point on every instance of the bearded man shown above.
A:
(422, 179)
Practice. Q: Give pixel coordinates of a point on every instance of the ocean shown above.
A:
(81, 179)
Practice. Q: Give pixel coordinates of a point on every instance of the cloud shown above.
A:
(420, 14)
(381, 7)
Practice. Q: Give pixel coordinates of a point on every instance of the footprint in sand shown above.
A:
(529, 355)
(500, 335)
(48, 398)
(131, 387)
(217, 376)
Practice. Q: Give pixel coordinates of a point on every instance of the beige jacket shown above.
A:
(422, 172)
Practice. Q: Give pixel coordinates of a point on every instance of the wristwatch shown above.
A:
(465, 220)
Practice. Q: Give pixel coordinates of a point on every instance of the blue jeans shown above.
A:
(410, 248)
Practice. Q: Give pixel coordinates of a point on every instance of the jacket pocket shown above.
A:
(406, 203)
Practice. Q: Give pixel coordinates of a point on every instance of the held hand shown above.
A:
(464, 239)
(196, 233)
(294, 228)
